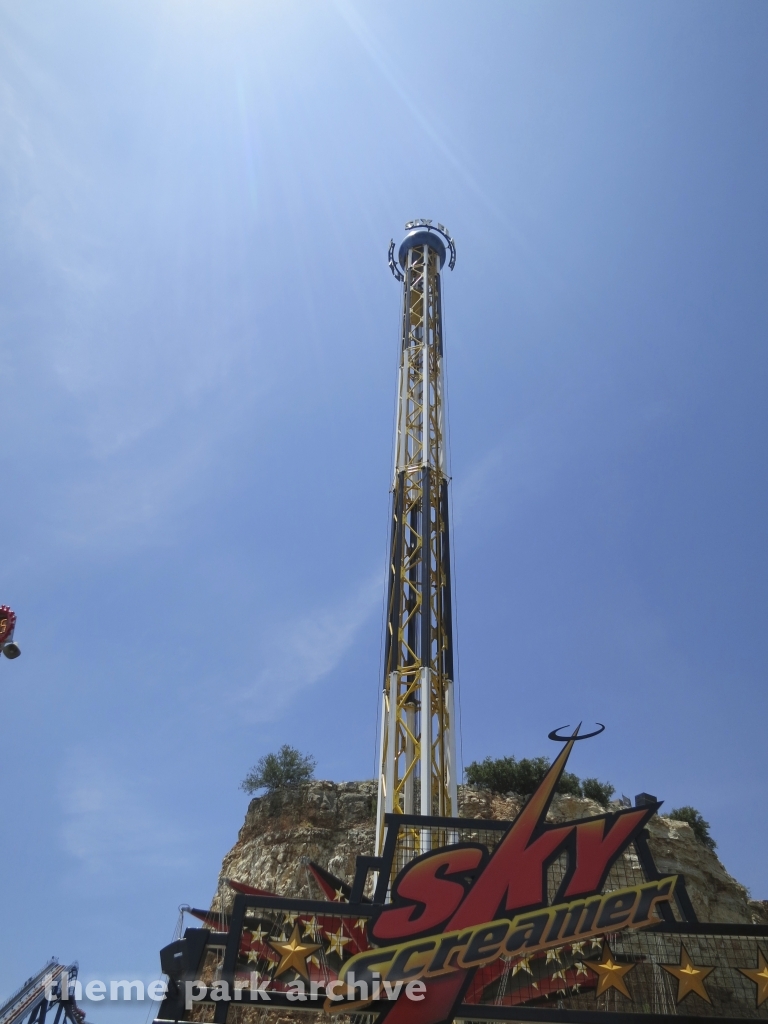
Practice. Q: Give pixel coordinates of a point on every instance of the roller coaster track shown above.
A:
(50, 987)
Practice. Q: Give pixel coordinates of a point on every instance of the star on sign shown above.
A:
(293, 954)
(759, 975)
(610, 974)
(690, 978)
(258, 934)
(522, 965)
(338, 941)
(552, 955)
(311, 928)
(338, 896)
(290, 919)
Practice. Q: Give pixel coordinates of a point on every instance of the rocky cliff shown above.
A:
(327, 822)
(332, 823)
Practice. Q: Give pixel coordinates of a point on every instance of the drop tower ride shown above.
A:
(417, 749)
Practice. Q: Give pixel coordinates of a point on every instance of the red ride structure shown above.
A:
(7, 625)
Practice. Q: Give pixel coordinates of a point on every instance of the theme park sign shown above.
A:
(481, 920)
(458, 908)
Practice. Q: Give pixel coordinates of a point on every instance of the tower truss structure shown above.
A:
(418, 723)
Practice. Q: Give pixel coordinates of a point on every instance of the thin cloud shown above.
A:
(307, 649)
(109, 823)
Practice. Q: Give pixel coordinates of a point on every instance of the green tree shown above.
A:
(569, 783)
(286, 769)
(508, 775)
(600, 792)
(698, 824)
(496, 774)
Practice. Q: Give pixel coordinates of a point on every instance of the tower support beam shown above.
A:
(417, 745)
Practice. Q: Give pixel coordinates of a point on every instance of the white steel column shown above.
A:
(417, 742)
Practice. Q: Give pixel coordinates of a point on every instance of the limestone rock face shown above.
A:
(332, 823)
(328, 822)
(716, 895)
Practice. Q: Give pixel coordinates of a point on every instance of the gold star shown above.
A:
(610, 973)
(522, 965)
(338, 941)
(338, 896)
(689, 977)
(293, 954)
(361, 923)
(759, 975)
(258, 934)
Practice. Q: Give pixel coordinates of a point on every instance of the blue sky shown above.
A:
(199, 348)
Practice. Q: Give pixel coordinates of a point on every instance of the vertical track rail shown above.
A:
(417, 747)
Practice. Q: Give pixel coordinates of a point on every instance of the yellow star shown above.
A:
(522, 965)
(338, 941)
(577, 947)
(361, 924)
(253, 956)
(759, 975)
(580, 969)
(610, 974)
(552, 955)
(290, 919)
(689, 977)
(338, 896)
(310, 928)
(293, 954)
(258, 934)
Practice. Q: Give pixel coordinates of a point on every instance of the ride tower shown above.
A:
(417, 749)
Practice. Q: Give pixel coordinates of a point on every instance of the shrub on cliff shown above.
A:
(698, 824)
(510, 775)
(286, 769)
(600, 792)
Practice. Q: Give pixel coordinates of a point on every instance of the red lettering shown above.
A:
(596, 848)
(486, 895)
(431, 895)
(514, 879)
